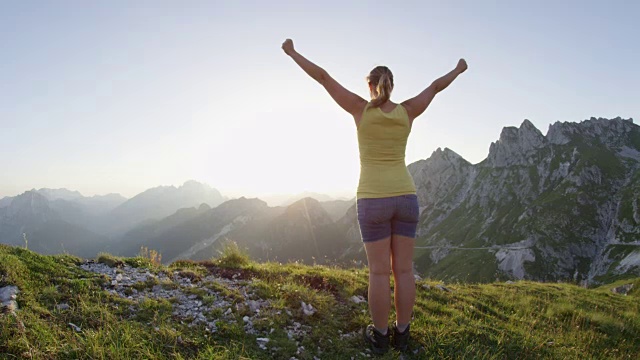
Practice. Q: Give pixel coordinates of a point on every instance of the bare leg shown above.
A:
(378, 256)
(405, 285)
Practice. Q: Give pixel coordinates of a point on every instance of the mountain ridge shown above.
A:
(559, 206)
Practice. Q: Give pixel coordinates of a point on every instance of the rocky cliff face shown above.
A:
(560, 206)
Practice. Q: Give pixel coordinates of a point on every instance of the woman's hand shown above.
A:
(462, 66)
(287, 46)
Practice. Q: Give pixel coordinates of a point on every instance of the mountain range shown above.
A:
(560, 206)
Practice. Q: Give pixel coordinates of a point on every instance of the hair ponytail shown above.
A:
(382, 79)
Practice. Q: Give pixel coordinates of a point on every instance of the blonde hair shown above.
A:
(382, 80)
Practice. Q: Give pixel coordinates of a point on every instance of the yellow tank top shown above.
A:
(382, 140)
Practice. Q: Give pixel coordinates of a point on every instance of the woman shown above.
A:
(386, 199)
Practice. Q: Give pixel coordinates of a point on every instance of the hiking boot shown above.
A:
(379, 343)
(400, 339)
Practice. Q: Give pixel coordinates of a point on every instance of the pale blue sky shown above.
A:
(120, 96)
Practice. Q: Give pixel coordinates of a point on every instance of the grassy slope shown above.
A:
(490, 321)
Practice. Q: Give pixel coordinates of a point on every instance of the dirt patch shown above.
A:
(229, 273)
(319, 283)
(190, 275)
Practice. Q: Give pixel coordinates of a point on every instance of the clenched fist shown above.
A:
(287, 46)
(461, 67)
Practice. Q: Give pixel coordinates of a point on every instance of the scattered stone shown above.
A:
(188, 307)
(623, 289)
(509, 282)
(443, 288)
(426, 286)
(357, 299)
(75, 327)
(350, 335)
(297, 331)
(8, 296)
(62, 307)
(262, 343)
(307, 309)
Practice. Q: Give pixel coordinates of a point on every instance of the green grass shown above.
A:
(523, 320)
(232, 256)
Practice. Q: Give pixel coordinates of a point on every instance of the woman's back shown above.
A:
(382, 140)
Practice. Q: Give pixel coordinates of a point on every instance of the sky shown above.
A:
(121, 96)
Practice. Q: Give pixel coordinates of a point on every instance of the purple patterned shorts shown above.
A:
(380, 217)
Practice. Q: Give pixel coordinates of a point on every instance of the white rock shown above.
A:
(307, 309)
(357, 299)
(75, 327)
(62, 307)
(8, 295)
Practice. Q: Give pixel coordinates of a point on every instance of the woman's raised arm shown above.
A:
(417, 105)
(347, 100)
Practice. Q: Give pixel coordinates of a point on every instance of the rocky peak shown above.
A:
(515, 145)
(447, 154)
(611, 132)
(439, 160)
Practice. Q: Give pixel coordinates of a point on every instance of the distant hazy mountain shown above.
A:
(85, 212)
(101, 204)
(307, 194)
(337, 208)
(61, 220)
(76, 209)
(187, 231)
(5, 201)
(31, 214)
(303, 231)
(157, 203)
(129, 244)
(288, 199)
(63, 194)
